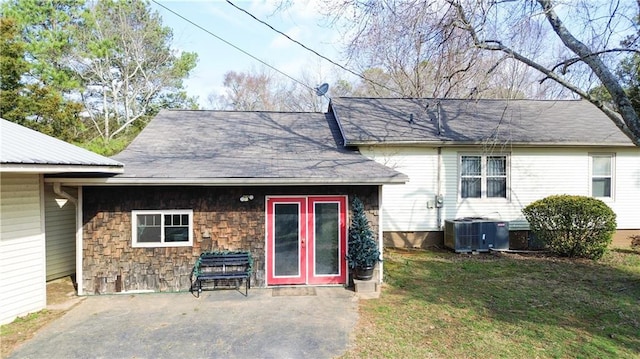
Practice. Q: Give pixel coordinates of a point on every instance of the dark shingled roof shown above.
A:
(229, 147)
(518, 122)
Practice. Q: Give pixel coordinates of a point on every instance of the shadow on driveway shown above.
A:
(222, 323)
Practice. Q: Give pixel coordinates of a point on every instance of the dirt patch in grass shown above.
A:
(24, 328)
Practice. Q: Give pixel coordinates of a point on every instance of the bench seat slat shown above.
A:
(222, 266)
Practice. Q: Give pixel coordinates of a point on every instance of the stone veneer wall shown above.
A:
(111, 264)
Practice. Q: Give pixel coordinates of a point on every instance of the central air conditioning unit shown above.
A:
(476, 234)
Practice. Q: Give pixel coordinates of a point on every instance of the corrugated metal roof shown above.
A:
(246, 147)
(441, 121)
(22, 146)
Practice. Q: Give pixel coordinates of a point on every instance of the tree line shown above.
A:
(94, 72)
(88, 72)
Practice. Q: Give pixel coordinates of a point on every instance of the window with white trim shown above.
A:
(162, 228)
(602, 175)
(483, 176)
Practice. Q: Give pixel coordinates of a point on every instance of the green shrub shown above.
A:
(572, 226)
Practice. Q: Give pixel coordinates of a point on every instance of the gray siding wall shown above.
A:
(60, 229)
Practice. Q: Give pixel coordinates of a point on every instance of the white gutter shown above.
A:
(57, 189)
(125, 181)
(428, 143)
(52, 168)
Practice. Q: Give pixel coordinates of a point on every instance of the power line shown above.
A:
(312, 50)
(232, 45)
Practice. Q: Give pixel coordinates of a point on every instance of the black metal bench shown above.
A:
(222, 266)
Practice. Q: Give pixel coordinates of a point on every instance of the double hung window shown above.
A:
(483, 176)
(602, 175)
(162, 228)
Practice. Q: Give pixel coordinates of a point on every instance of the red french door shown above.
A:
(306, 240)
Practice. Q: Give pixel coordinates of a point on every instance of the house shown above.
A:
(276, 184)
(37, 220)
(489, 158)
(279, 184)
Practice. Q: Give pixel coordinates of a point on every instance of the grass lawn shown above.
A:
(437, 304)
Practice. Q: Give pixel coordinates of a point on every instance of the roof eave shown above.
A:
(483, 143)
(147, 181)
(52, 168)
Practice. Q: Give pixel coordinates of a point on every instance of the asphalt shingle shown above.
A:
(455, 121)
(244, 147)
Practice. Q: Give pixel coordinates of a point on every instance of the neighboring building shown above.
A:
(276, 184)
(490, 158)
(37, 221)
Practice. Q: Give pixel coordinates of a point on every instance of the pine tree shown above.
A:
(363, 248)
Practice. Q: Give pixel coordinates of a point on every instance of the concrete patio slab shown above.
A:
(220, 324)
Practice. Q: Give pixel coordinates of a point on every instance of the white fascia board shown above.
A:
(50, 169)
(482, 143)
(123, 181)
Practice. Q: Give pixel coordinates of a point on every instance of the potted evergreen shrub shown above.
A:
(363, 252)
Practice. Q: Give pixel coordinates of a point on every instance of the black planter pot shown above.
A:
(363, 273)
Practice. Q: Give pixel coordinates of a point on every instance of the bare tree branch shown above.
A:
(630, 122)
(626, 120)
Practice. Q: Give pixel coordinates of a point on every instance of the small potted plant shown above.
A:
(363, 252)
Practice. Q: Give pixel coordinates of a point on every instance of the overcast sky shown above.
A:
(302, 22)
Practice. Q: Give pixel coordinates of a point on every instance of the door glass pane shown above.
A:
(326, 238)
(285, 233)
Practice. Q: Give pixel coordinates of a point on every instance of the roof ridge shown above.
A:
(235, 111)
(457, 99)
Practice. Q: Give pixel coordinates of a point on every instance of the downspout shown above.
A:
(380, 235)
(439, 199)
(57, 189)
(79, 276)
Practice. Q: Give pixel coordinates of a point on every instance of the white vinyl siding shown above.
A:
(22, 246)
(626, 189)
(60, 229)
(534, 173)
(406, 206)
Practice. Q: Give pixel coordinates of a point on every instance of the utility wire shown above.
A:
(312, 50)
(232, 45)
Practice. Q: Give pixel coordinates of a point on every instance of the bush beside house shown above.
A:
(572, 226)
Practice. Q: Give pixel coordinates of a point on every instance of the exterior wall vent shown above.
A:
(476, 234)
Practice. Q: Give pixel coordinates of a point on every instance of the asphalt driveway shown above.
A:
(269, 323)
